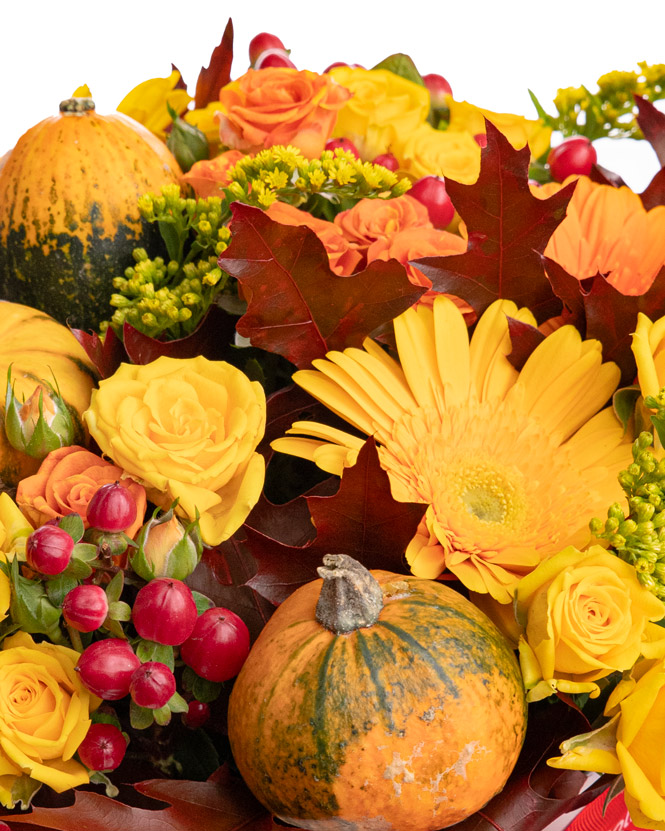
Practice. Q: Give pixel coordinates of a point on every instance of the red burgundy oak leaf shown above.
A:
(218, 73)
(508, 231)
(297, 307)
(362, 519)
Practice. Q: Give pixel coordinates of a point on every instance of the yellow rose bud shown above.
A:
(649, 352)
(585, 615)
(188, 430)
(166, 548)
(44, 716)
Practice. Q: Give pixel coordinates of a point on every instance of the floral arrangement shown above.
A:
(359, 323)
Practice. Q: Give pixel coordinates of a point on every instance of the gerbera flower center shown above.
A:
(489, 492)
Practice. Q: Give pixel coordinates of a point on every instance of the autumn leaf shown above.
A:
(361, 519)
(508, 231)
(224, 804)
(218, 72)
(212, 338)
(600, 311)
(523, 340)
(651, 122)
(654, 193)
(297, 307)
(106, 355)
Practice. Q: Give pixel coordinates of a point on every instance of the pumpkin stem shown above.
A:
(350, 597)
(77, 106)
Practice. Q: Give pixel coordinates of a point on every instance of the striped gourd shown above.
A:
(69, 216)
(411, 719)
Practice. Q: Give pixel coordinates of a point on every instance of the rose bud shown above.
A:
(166, 547)
(40, 424)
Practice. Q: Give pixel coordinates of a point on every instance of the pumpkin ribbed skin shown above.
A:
(411, 724)
(69, 217)
(38, 349)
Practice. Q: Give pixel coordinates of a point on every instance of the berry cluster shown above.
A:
(140, 640)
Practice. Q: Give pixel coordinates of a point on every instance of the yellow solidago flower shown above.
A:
(608, 230)
(510, 464)
(146, 103)
(518, 130)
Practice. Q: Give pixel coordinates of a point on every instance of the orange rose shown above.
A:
(414, 243)
(285, 106)
(343, 258)
(65, 483)
(370, 220)
(209, 176)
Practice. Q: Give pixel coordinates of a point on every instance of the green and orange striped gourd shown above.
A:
(374, 700)
(69, 215)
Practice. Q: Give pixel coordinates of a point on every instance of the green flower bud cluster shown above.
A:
(638, 538)
(283, 173)
(169, 298)
(610, 111)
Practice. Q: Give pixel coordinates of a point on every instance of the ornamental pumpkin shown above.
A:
(373, 700)
(69, 215)
(39, 349)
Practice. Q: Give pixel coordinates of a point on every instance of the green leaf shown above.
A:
(59, 586)
(196, 754)
(104, 717)
(539, 109)
(115, 587)
(203, 603)
(177, 704)
(84, 551)
(31, 608)
(172, 239)
(78, 569)
(162, 716)
(140, 717)
(73, 525)
(401, 65)
(623, 403)
(200, 688)
(23, 791)
(658, 421)
(119, 610)
(152, 651)
(114, 627)
(99, 778)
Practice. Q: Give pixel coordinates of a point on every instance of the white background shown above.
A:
(490, 52)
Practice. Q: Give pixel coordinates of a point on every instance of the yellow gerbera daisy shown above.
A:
(511, 464)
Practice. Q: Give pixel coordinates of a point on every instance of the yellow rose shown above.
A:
(430, 152)
(631, 743)
(188, 430)
(649, 351)
(383, 110)
(518, 130)
(44, 715)
(585, 615)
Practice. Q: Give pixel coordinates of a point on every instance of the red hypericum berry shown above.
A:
(106, 668)
(431, 192)
(261, 42)
(198, 713)
(388, 161)
(438, 89)
(103, 748)
(152, 685)
(48, 550)
(218, 646)
(274, 57)
(164, 611)
(574, 156)
(335, 64)
(343, 144)
(85, 608)
(481, 139)
(112, 508)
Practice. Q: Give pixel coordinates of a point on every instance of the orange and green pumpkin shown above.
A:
(373, 700)
(38, 348)
(69, 215)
